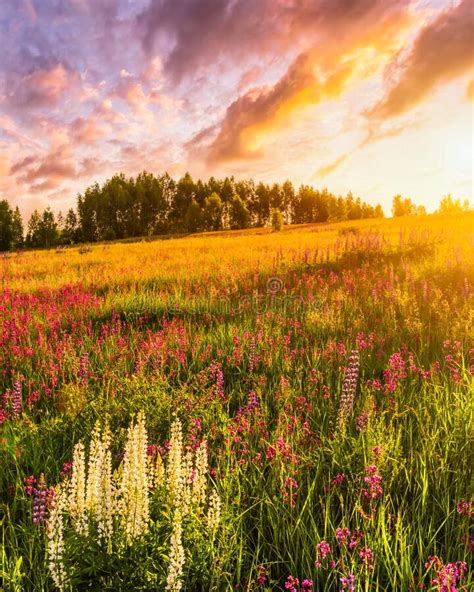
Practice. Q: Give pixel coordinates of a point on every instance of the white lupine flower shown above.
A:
(175, 478)
(188, 472)
(123, 499)
(77, 490)
(94, 471)
(200, 475)
(177, 557)
(106, 503)
(55, 533)
(134, 503)
(214, 511)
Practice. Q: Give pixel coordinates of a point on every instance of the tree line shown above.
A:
(149, 205)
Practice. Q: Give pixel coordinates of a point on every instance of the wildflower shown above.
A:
(290, 491)
(338, 480)
(200, 475)
(177, 558)
(262, 574)
(323, 549)
(342, 534)
(465, 508)
(77, 490)
(252, 354)
(99, 491)
(447, 575)
(307, 585)
(84, 366)
(348, 583)
(134, 503)
(361, 422)
(29, 484)
(16, 399)
(218, 375)
(367, 556)
(349, 387)
(377, 450)
(40, 500)
(373, 481)
(292, 584)
(66, 470)
(395, 372)
(214, 511)
(55, 532)
(355, 538)
(174, 469)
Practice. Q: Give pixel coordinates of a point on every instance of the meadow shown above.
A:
(247, 410)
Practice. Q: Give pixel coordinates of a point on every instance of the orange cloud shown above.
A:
(327, 169)
(317, 75)
(470, 91)
(441, 52)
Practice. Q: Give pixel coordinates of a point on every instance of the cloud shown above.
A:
(196, 33)
(41, 88)
(48, 171)
(133, 94)
(23, 163)
(5, 165)
(470, 90)
(86, 130)
(329, 168)
(373, 134)
(317, 75)
(442, 51)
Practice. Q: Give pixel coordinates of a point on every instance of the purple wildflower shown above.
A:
(349, 387)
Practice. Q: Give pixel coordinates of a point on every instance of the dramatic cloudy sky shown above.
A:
(373, 96)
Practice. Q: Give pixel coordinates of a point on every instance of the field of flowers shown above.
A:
(241, 411)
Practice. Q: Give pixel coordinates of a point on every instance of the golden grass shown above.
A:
(220, 255)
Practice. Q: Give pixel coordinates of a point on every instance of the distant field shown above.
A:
(322, 380)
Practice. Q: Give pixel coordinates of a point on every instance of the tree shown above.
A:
(262, 204)
(47, 229)
(212, 213)
(378, 212)
(6, 226)
(277, 219)
(70, 229)
(17, 229)
(448, 205)
(182, 197)
(239, 214)
(127, 207)
(405, 207)
(193, 217)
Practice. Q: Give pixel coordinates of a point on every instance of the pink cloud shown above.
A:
(86, 130)
(41, 88)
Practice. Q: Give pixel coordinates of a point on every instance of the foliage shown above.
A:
(277, 219)
(150, 205)
(448, 205)
(405, 207)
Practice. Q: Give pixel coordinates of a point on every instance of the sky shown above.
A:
(369, 96)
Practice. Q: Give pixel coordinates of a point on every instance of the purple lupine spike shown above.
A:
(349, 386)
(16, 398)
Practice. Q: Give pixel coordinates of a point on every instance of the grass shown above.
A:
(193, 326)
